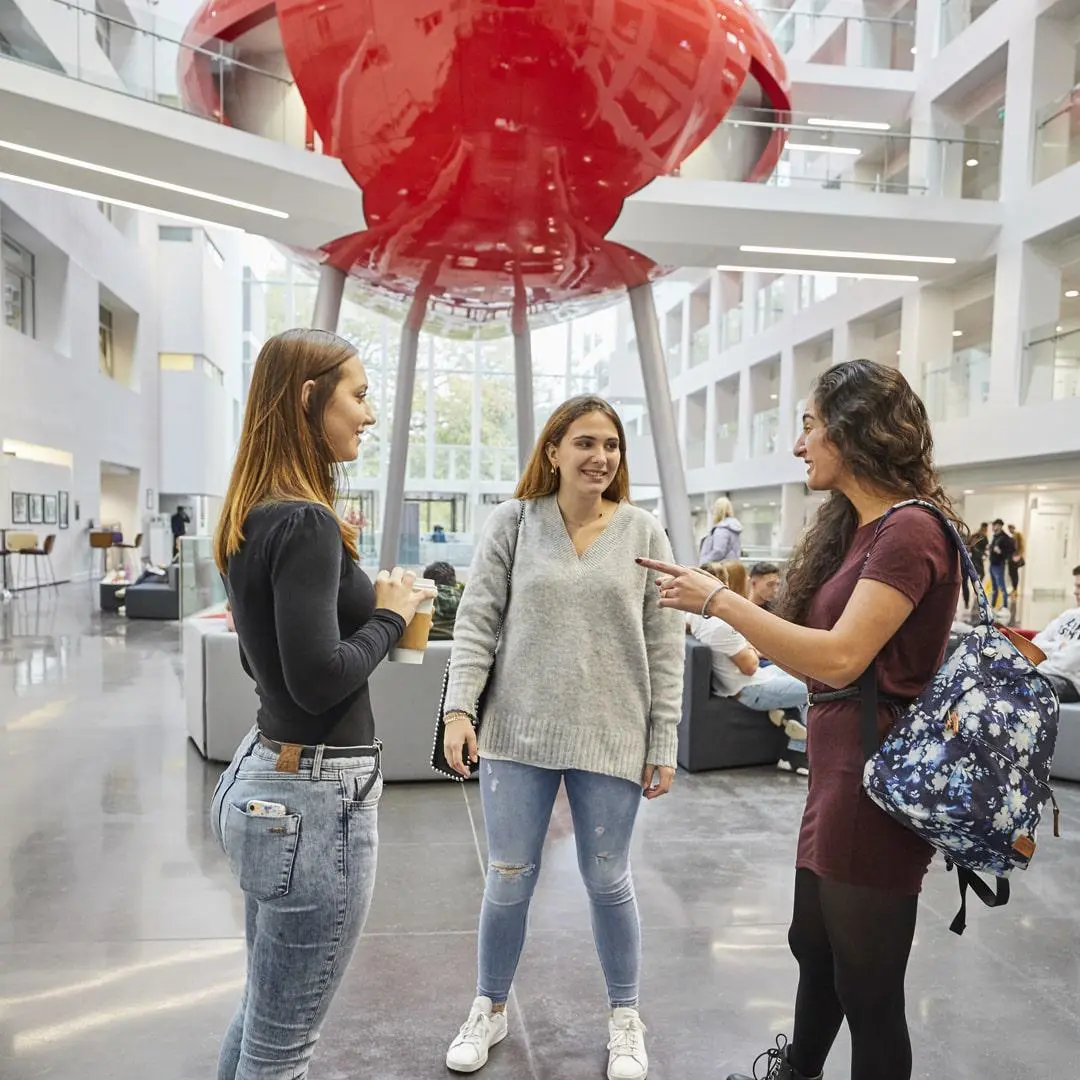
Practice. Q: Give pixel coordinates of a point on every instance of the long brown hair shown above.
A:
(284, 454)
(879, 425)
(540, 479)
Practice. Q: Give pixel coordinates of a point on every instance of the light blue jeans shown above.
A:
(782, 691)
(517, 801)
(307, 879)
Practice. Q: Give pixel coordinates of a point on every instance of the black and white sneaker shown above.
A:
(794, 761)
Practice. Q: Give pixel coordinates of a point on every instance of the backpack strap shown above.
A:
(968, 879)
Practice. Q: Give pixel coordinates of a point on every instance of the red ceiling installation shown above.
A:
(496, 140)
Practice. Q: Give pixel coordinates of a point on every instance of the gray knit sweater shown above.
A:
(589, 670)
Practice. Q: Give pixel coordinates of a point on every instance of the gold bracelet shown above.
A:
(454, 717)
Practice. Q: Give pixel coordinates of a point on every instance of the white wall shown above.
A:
(40, 478)
(121, 503)
(54, 394)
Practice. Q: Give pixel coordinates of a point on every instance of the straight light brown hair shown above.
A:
(284, 454)
(540, 479)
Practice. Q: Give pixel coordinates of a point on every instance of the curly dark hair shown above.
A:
(879, 425)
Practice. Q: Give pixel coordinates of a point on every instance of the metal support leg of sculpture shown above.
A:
(680, 523)
(523, 386)
(328, 298)
(394, 503)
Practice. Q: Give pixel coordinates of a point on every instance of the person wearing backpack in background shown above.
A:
(852, 593)
(724, 540)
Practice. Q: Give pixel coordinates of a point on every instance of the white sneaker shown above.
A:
(795, 730)
(484, 1028)
(627, 1059)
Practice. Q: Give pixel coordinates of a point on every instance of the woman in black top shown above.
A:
(296, 808)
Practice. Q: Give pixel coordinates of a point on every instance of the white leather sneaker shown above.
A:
(627, 1059)
(484, 1028)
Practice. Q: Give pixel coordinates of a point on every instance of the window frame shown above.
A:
(20, 263)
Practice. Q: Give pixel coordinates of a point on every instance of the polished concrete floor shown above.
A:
(120, 947)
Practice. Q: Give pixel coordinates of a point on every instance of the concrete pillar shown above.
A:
(328, 298)
(789, 394)
(926, 343)
(746, 415)
(669, 461)
(793, 502)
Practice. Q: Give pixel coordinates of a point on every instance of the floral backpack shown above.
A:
(967, 766)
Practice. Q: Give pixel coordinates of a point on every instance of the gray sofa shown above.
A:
(221, 702)
(1066, 764)
(717, 732)
(157, 598)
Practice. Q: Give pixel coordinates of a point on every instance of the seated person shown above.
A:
(737, 672)
(1061, 643)
(764, 584)
(447, 599)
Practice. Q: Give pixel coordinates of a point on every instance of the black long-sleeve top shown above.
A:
(310, 635)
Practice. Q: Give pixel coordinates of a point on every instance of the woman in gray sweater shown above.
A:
(585, 689)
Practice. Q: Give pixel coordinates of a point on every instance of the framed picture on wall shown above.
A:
(36, 509)
(49, 509)
(62, 509)
(19, 509)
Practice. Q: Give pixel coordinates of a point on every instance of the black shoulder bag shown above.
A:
(438, 756)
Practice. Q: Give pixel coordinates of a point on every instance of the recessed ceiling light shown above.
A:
(854, 125)
(164, 185)
(816, 273)
(1072, 294)
(1059, 329)
(969, 491)
(913, 50)
(958, 333)
(186, 218)
(746, 506)
(824, 253)
(813, 148)
(774, 397)
(971, 162)
(897, 352)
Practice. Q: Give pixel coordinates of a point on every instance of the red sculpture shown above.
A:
(495, 141)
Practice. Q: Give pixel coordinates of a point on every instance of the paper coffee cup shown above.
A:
(411, 647)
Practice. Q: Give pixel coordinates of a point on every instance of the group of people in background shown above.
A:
(1002, 548)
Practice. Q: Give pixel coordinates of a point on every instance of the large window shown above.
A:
(106, 345)
(18, 288)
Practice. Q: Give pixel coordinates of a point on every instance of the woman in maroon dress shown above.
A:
(852, 594)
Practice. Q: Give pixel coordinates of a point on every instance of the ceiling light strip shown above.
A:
(824, 253)
(187, 219)
(164, 185)
(816, 273)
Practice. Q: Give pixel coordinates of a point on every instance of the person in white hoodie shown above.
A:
(1061, 643)
(724, 540)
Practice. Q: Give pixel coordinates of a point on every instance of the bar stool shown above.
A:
(36, 553)
(102, 541)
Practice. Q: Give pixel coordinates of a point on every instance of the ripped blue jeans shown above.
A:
(517, 801)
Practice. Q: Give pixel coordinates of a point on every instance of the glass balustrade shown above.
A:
(699, 346)
(139, 54)
(958, 15)
(695, 453)
(453, 463)
(674, 357)
(957, 389)
(732, 327)
(727, 441)
(199, 581)
(806, 31)
(499, 463)
(1057, 139)
(764, 432)
(901, 162)
(1051, 368)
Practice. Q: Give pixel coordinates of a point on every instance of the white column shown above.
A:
(852, 341)
(792, 514)
(788, 398)
(716, 303)
(710, 424)
(926, 325)
(746, 416)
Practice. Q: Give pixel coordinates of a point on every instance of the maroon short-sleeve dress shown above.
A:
(844, 836)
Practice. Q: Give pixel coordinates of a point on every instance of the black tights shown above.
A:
(852, 945)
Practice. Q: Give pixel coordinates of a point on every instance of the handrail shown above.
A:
(833, 15)
(854, 133)
(136, 28)
(1064, 104)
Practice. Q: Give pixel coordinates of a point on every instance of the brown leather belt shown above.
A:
(308, 752)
